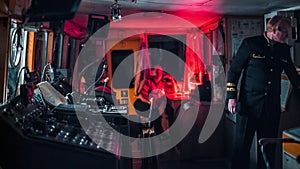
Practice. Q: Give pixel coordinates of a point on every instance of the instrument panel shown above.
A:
(72, 132)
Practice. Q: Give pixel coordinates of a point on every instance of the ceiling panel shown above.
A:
(198, 11)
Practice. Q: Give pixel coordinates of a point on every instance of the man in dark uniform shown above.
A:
(261, 60)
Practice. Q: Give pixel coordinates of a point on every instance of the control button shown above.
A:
(271, 70)
(5, 111)
(266, 94)
(269, 82)
(272, 57)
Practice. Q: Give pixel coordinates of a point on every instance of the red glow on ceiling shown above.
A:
(198, 18)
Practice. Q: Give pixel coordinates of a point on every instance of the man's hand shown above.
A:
(159, 103)
(157, 93)
(232, 105)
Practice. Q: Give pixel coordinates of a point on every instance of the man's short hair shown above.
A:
(280, 23)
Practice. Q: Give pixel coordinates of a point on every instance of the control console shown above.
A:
(68, 126)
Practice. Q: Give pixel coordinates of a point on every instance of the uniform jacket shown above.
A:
(261, 63)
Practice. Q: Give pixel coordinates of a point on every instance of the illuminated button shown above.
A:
(266, 94)
(271, 70)
(269, 82)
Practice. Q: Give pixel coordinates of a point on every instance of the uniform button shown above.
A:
(269, 82)
(271, 70)
(266, 94)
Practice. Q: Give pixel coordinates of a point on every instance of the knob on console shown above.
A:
(5, 111)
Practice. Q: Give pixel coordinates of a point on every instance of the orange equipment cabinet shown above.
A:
(123, 55)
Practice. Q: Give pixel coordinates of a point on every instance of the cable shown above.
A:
(15, 47)
(221, 29)
(44, 69)
(83, 71)
(99, 78)
(105, 82)
(18, 79)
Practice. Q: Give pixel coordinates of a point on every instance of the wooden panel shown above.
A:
(65, 55)
(30, 51)
(50, 47)
(14, 8)
(292, 149)
(4, 29)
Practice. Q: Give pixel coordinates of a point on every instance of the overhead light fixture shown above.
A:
(115, 10)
